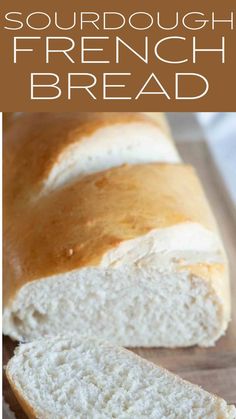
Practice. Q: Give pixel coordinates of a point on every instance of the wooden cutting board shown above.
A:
(212, 368)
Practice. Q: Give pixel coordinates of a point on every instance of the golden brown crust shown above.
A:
(21, 400)
(33, 144)
(75, 226)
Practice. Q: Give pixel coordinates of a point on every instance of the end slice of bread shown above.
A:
(69, 377)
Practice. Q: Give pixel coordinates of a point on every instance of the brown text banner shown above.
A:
(118, 56)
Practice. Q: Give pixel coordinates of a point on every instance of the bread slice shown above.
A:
(131, 254)
(44, 151)
(68, 377)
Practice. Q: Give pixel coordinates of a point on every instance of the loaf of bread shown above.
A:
(43, 151)
(68, 377)
(131, 254)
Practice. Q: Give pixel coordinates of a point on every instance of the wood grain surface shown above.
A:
(212, 368)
